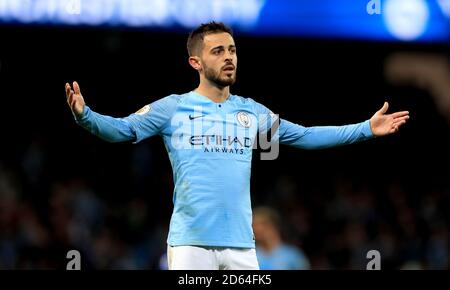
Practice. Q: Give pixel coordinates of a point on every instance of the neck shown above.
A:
(213, 92)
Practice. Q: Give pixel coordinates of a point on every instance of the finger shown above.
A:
(400, 114)
(68, 89)
(73, 103)
(70, 97)
(404, 118)
(394, 129)
(398, 124)
(76, 88)
(384, 108)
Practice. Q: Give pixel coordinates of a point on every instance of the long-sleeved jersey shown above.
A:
(210, 148)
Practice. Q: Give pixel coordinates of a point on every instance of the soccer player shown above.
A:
(209, 135)
(272, 252)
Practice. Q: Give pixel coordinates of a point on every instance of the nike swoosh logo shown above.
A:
(195, 117)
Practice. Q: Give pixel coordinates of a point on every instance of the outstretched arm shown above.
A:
(106, 127)
(152, 119)
(319, 137)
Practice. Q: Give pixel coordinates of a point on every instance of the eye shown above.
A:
(232, 50)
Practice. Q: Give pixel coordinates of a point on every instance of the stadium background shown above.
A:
(62, 189)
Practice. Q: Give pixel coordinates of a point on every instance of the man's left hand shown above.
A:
(384, 124)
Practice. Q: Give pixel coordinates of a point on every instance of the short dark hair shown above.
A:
(195, 39)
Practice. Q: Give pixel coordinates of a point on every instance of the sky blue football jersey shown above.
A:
(210, 148)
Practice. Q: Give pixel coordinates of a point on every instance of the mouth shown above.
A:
(229, 68)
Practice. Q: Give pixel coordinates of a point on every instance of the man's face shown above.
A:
(219, 59)
(262, 228)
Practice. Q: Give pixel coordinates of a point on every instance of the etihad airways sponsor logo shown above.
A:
(220, 140)
(213, 143)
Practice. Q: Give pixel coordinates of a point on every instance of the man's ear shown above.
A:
(195, 62)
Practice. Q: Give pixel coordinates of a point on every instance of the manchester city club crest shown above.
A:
(244, 119)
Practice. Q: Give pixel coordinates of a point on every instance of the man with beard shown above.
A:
(209, 135)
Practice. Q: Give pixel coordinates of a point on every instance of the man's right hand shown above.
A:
(75, 99)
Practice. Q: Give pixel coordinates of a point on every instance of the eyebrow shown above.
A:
(221, 46)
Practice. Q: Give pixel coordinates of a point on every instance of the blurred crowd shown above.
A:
(326, 228)
(63, 189)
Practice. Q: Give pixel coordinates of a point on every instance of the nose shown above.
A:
(228, 56)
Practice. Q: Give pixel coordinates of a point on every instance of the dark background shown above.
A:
(62, 188)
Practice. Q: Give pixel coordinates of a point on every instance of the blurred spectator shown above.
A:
(437, 250)
(34, 159)
(272, 252)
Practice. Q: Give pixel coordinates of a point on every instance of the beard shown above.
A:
(216, 78)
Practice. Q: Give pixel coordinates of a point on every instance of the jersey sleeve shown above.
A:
(316, 137)
(154, 118)
(320, 137)
(105, 127)
(148, 121)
